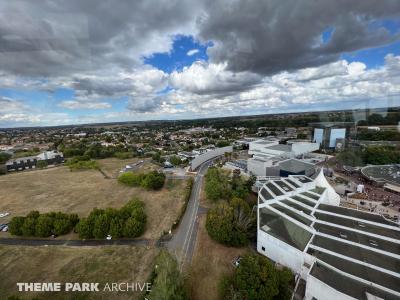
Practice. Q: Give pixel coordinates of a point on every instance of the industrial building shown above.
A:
(269, 158)
(335, 252)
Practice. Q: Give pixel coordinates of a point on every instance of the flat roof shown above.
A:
(361, 254)
(295, 166)
(346, 285)
(358, 238)
(280, 147)
(358, 270)
(352, 224)
(356, 214)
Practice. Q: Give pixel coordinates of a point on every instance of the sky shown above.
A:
(74, 62)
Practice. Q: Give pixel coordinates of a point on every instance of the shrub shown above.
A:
(41, 164)
(129, 221)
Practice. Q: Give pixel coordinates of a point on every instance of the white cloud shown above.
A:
(72, 104)
(192, 52)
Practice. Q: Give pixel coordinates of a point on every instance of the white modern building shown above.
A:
(267, 155)
(335, 252)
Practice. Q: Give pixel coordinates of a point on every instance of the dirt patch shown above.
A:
(59, 189)
(211, 261)
(74, 264)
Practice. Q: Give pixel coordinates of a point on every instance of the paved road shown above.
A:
(78, 243)
(183, 241)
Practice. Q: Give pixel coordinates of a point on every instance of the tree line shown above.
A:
(128, 222)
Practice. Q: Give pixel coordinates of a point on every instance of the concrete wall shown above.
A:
(197, 161)
(319, 290)
(279, 251)
(302, 148)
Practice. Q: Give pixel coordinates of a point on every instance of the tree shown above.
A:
(217, 185)
(168, 283)
(85, 228)
(101, 226)
(29, 226)
(116, 227)
(153, 180)
(15, 225)
(230, 223)
(133, 228)
(62, 226)
(44, 226)
(256, 278)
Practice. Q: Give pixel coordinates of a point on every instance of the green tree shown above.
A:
(116, 227)
(133, 228)
(168, 283)
(256, 278)
(85, 228)
(29, 226)
(153, 180)
(62, 226)
(230, 223)
(15, 225)
(101, 226)
(44, 226)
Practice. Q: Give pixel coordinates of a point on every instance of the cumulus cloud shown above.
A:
(271, 36)
(192, 52)
(263, 55)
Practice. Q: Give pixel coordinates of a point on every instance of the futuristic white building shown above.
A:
(335, 252)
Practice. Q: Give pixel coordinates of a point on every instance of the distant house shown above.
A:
(30, 162)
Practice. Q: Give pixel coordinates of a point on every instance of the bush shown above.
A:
(151, 181)
(43, 225)
(188, 192)
(257, 278)
(230, 223)
(123, 155)
(129, 222)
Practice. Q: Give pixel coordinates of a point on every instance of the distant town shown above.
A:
(314, 195)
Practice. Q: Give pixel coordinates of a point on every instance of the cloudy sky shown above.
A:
(83, 61)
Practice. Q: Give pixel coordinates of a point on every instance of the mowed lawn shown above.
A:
(211, 261)
(105, 264)
(59, 189)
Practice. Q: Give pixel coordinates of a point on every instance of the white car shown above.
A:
(4, 215)
(5, 229)
(109, 237)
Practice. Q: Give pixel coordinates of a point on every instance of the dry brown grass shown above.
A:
(211, 261)
(58, 189)
(74, 264)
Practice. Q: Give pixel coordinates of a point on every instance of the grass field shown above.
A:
(74, 264)
(59, 189)
(211, 261)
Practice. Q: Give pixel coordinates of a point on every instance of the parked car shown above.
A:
(109, 237)
(4, 214)
(5, 228)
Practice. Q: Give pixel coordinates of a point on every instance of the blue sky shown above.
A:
(192, 59)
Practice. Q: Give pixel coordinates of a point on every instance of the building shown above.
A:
(335, 252)
(267, 155)
(30, 162)
(331, 135)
